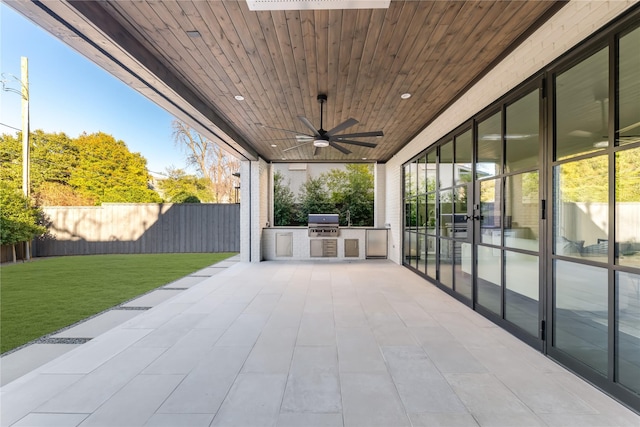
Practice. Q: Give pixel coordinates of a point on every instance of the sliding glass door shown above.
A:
(507, 172)
(530, 212)
(594, 250)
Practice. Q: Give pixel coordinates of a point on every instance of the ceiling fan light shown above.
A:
(321, 143)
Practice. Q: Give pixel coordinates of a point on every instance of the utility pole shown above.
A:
(24, 66)
(26, 161)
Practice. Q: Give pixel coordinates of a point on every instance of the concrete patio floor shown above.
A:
(363, 343)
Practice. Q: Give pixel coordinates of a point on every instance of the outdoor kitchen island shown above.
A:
(323, 240)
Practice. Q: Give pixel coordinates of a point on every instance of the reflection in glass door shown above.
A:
(508, 227)
(581, 213)
(455, 181)
(596, 217)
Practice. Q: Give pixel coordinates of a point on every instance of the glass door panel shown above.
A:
(463, 159)
(446, 213)
(581, 217)
(489, 289)
(445, 168)
(489, 156)
(422, 213)
(580, 317)
(628, 207)
(490, 211)
(431, 256)
(629, 89)
(431, 214)
(462, 225)
(522, 139)
(628, 329)
(522, 293)
(521, 224)
(463, 269)
(409, 227)
(446, 263)
(431, 171)
(582, 105)
(421, 172)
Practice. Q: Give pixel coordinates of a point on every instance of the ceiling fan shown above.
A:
(330, 138)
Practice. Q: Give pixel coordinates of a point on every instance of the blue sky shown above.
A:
(71, 94)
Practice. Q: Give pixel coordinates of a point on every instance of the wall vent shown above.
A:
(258, 5)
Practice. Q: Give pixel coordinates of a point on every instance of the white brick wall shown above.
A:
(380, 180)
(393, 207)
(245, 211)
(254, 208)
(573, 23)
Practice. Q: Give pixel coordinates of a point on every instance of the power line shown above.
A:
(11, 127)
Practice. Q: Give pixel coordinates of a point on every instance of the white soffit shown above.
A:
(257, 5)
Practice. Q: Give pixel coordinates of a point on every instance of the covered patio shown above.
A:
(360, 343)
(439, 92)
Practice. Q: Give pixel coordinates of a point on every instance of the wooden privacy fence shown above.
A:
(123, 228)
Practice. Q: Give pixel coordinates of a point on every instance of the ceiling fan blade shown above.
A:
(342, 126)
(295, 146)
(286, 130)
(316, 151)
(339, 148)
(360, 143)
(360, 134)
(298, 138)
(308, 124)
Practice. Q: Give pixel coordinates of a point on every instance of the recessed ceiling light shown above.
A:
(405, 95)
(273, 145)
(364, 158)
(194, 34)
(239, 98)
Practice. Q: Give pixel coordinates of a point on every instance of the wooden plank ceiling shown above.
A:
(363, 60)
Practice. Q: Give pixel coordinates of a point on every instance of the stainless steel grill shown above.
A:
(323, 225)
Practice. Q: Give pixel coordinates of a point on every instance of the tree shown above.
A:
(108, 172)
(84, 171)
(628, 176)
(177, 183)
(53, 157)
(584, 180)
(11, 160)
(314, 198)
(185, 198)
(59, 194)
(283, 201)
(18, 218)
(352, 192)
(212, 162)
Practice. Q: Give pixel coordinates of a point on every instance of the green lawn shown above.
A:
(42, 296)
